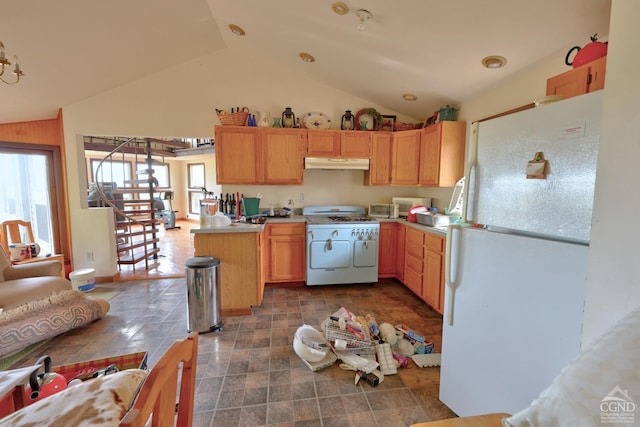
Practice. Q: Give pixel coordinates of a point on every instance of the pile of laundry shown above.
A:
(370, 349)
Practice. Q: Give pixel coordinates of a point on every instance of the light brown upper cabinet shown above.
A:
(238, 157)
(587, 78)
(442, 154)
(379, 172)
(335, 143)
(405, 161)
(250, 155)
(283, 156)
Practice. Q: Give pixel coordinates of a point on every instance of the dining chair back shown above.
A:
(15, 231)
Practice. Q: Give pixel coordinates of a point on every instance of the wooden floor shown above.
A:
(176, 246)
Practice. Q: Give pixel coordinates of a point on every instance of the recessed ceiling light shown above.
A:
(236, 30)
(307, 57)
(494, 61)
(340, 8)
(409, 97)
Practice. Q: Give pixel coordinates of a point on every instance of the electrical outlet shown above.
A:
(302, 197)
(90, 256)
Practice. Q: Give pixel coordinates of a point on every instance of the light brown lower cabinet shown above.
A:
(387, 249)
(240, 271)
(424, 266)
(285, 247)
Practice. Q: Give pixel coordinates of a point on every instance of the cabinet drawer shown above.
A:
(415, 237)
(286, 229)
(414, 250)
(413, 281)
(433, 243)
(414, 264)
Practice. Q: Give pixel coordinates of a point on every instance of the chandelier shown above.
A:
(4, 62)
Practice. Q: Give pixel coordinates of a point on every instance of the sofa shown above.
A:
(37, 304)
(23, 283)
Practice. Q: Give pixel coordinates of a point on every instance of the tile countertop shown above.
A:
(245, 227)
(440, 231)
(240, 227)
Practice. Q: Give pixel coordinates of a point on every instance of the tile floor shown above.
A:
(248, 374)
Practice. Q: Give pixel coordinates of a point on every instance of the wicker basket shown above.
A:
(404, 126)
(234, 119)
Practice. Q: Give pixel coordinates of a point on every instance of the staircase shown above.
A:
(135, 204)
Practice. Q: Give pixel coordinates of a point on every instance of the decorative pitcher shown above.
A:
(264, 119)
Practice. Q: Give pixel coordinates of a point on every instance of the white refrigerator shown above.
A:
(515, 281)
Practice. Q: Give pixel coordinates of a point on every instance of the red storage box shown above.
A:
(122, 362)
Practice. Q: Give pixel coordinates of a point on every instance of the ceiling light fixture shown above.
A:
(409, 97)
(236, 30)
(364, 16)
(340, 8)
(4, 62)
(494, 61)
(307, 57)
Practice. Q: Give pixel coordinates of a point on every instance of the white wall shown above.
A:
(181, 102)
(613, 284)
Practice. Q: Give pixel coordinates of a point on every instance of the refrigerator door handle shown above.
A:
(450, 266)
(470, 194)
(470, 180)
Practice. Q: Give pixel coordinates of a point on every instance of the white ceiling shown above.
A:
(74, 49)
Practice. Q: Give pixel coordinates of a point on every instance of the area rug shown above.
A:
(38, 320)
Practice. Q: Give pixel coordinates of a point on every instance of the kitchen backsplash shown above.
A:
(344, 187)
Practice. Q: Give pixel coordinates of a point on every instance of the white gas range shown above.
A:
(342, 245)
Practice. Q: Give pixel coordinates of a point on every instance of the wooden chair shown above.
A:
(488, 420)
(157, 397)
(12, 231)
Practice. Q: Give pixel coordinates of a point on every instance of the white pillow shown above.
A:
(601, 386)
(102, 401)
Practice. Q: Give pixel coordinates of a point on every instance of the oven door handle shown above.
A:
(329, 245)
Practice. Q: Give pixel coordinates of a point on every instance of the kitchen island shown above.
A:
(239, 247)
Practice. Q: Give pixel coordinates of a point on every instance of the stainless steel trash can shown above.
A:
(203, 294)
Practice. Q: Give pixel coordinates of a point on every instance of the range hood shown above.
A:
(335, 163)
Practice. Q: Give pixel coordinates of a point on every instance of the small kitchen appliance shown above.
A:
(406, 203)
(383, 210)
(342, 245)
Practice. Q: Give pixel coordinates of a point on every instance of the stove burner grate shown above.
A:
(337, 218)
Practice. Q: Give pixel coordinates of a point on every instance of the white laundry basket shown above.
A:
(83, 280)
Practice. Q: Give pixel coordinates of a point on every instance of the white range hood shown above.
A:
(335, 163)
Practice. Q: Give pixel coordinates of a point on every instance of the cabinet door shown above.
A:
(433, 279)
(387, 250)
(430, 155)
(433, 285)
(597, 70)
(442, 154)
(262, 273)
(286, 252)
(570, 83)
(323, 143)
(355, 144)
(283, 155)
(379, 172)
(401, 233)
(405, 162)
(237, 157)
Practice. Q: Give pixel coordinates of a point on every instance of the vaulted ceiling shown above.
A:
(74, 49)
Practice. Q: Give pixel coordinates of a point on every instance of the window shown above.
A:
(111, 171)
(160, 172)
(24, 196)
(196, 175)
